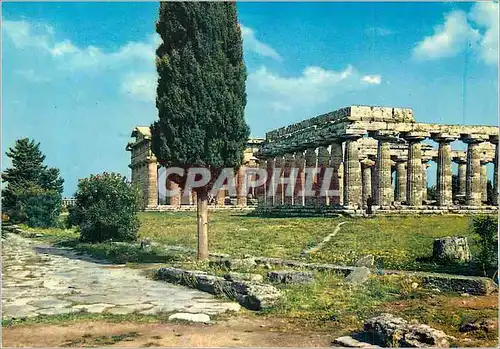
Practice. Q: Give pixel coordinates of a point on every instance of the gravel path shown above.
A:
(48, 280)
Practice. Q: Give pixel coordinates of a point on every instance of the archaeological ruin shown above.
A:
(377, 157)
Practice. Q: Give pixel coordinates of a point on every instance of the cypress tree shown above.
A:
(201, 93)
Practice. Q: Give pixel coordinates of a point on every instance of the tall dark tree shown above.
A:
(33, 191)
(201, 93)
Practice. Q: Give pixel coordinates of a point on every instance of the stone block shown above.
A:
(233, 276)
(203, 318)
(451, 249)
(348, 341)
(366, 261)
(358, 276)
(457, 283)
(290, 276)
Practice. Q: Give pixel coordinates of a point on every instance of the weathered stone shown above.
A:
(366, 261)
(485, 325)
(233, 276)
(451, 249)
(190, 317)
(352, 173)
(458, 283)
(389, 330)
(358, 276)
(251, 295)
(348, 341)
(290, 276)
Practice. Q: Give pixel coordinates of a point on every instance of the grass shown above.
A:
(399, 242)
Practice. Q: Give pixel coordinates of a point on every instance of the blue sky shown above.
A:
(79, 76)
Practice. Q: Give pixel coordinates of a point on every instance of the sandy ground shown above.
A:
(239, 331)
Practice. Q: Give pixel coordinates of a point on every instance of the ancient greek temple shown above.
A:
(376, 156)
(364, 145)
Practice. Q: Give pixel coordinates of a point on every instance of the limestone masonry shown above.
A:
(362, 146)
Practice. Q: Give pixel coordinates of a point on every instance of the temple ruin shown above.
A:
(377, 156)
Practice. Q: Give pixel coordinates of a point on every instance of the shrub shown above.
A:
(105, 208)
(485, 227)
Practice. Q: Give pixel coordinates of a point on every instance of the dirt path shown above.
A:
(241, 331)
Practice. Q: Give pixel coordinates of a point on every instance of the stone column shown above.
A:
(352, 172)
(288, 171)
(444, 172)
(221, 197)
(298, 198)
(425, 166)
(384, 194)
(241, 187)
(310, 160)
(336, 159)
(414, 171)
(176, 199)
(495, 174)
(473, 173)
(366, 178)
(278, 170)
(461, 176)
(484, 181)
(270, 185)
(323, 159)
(400, 192)
(152, 183)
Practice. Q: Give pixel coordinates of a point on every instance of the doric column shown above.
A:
(384, 194)
(323, 159)
(336, 159)
(461, 175)
(152, 182)
(176, 199)
(310, 160)
(366, 178)
(221, 197)
(352, 172)
(425, 166)
(473, 172)
(270, 183)
(400, 192)
(495, 173)
(278, 172)
(414, 170)
(484, 181)
(444, 172)
(288, 173)
(298, 199)
(241, 188)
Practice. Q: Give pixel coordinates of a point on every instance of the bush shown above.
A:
(105, 209)
(485, 227)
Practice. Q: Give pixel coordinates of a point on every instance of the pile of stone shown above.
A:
(290, 277)
(252, 295)
(391, 331)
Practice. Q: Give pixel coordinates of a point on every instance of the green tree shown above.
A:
(201, 93)
(33, 191)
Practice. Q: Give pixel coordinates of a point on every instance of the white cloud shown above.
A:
(137, 58)
(314, 86)
(30, 75)
(372, 79)
(140, 86)
(251, 43)
(478, 30)
(485, 16)
(448, 39)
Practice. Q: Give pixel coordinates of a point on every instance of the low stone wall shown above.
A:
(444, 282)
(251, 295)
(182, 208)
(337, 211)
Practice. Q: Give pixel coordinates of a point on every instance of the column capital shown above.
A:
(351, 136)
(473, 138)
(383, 135)
(366, 162)
(460, 159)
(414, 136)
(444, 137)
(397, 159)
